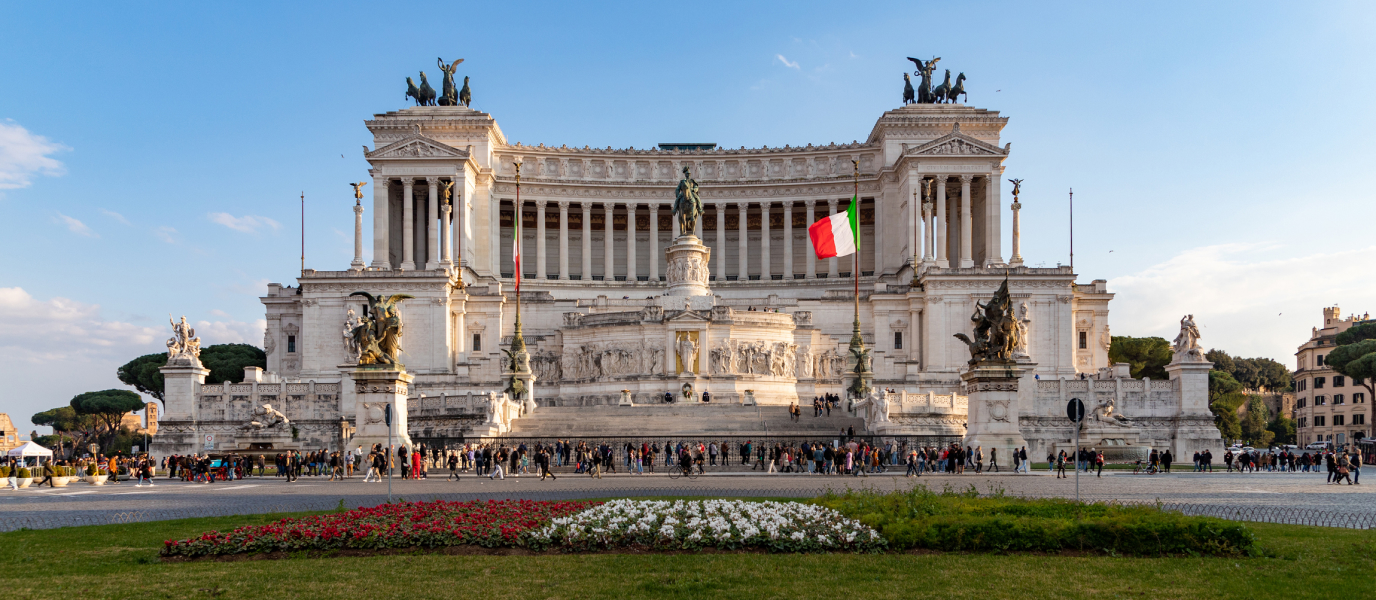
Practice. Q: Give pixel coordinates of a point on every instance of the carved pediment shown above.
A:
(957, 144)
(687, 315)
(417, 146)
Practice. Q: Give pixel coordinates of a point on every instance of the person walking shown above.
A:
(994, 460)
(1355, 466)
(453, 464)
(1060, 466)
(1099, 462)
(497, 461)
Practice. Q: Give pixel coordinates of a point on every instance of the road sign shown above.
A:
(1075, 410)
(387, 414)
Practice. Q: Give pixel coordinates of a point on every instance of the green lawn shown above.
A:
(121, 561)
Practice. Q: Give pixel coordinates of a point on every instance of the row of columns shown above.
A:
(440, 233)
(937, 228)
(609, 268)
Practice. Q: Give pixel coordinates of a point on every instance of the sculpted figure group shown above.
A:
(424, 95)
(378, 333)
(925, 94)
(995, 331)
(183, 344)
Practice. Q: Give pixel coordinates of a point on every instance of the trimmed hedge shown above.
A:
(952, 521)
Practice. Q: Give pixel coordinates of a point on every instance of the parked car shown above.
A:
(1319, 446)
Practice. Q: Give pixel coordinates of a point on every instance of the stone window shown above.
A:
(898, 340)
(1084, 338)
(1318, 360)
(1359, 419)
(291, 343)
(477, 342)
(1318, 420)
(1320, 400)
(1339, 381)
(1318, 382)
(1337, 398)
(1299, 403)
(1337, 420)
(1358, 398)
(1304, 422)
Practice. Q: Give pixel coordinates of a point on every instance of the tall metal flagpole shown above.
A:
(303, 232)
(518, 342)
(1072, 230)
(857, 342)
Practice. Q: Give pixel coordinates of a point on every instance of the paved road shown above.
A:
(81, 503)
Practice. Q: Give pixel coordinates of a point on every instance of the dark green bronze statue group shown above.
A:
(452, 96)
(946, 92)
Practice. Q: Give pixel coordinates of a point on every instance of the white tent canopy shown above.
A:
(30, 449)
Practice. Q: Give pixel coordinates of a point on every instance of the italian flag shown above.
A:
(837, 235)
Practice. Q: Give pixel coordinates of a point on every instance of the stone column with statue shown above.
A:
(379, 377)
(991, 381)
(1189, 371)
(182, 376)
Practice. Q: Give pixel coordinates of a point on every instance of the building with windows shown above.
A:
(1328, 406)
(9, 438)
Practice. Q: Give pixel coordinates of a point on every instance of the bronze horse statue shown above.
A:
(427, 93)
(958, 89)
(465, 95)
(908, 97)
(412, 91)
(939, 94)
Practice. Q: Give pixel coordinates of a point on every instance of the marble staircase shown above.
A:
(679, 420)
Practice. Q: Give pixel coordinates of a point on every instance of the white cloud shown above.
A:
(165, 234)
(246, 223)
(23, 154)
(116, 216)
(791, 65)
(74, 225)
(231, 332)
(1249, 299)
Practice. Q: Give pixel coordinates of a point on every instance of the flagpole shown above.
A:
(303, 232)
(857, 341)
(518, 342)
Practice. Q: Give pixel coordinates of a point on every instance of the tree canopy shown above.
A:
(1356, 360)
(227, 361)
(1148, 356)
(1357, 333)
(1253, 373)
(143, 374)
(109, 407)
(1255, 428)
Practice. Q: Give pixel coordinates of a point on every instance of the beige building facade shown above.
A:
(1329, 407)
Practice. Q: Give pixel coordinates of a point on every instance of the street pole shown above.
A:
(388, 462)
(1078, 426)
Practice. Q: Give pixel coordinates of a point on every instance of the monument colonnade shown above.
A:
(947, 240)
(429, 232)
(620, 259)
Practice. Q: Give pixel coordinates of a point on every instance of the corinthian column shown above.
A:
(446, 241)
(721, 241)
(765, 274)
(432, 229)
(357, 264)
(586, 275)
(832, 271)
(788, 239)
(382, 249)
(966, 246)
(928, 215)
(608, 249)
(540, 239)
(630, 242)
(940, 225)
(811, 250)
(408, 226)
(563, 240)
(742, 245)
(654, 241)
(1016, 261)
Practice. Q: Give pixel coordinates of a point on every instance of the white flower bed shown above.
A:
(726, 524)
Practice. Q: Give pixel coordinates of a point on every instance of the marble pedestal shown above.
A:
(686, 263)
(275, 439)
(376, 386)
(992, 421)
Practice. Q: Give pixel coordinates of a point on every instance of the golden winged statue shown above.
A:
(378, 336)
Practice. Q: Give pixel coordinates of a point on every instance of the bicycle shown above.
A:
(683, 470)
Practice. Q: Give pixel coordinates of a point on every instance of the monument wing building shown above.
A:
(620, 307)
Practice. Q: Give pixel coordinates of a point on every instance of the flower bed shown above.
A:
(697, 524)
(403, 525)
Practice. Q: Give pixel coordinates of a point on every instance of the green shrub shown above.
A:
(90, 470)
(4, 472)
(24, 473)
(966, 521)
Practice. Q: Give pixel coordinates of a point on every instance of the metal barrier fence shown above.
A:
(1257, 514)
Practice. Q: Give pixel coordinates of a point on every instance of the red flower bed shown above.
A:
(404, 525)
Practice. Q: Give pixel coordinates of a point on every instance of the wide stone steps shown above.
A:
(677, 420)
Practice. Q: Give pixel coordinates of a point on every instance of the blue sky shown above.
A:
(152, 155)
